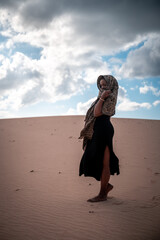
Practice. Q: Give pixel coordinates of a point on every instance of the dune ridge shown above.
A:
(42, 196)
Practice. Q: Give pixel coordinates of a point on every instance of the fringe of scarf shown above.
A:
(108, 107)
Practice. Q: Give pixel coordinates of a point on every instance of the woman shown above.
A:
(99, 160)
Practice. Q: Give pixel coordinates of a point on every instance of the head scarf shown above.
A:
(108, 107)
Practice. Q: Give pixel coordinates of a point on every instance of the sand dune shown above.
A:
(42, 196)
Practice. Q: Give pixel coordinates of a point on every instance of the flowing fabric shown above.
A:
(98, 133)
(108, 107)
(92, 160)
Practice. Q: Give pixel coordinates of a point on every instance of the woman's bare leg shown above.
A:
(105, 174)
(105, 185)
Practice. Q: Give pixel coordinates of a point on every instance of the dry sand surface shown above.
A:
(42, 196)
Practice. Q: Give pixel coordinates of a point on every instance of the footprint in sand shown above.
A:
(154, 202)
(91, 211)
(109, 197)
(117, 203)
(146, 206)
(17, 189)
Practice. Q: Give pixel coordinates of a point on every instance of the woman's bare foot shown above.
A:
(101, 197)
(109, 188)
(97, 199)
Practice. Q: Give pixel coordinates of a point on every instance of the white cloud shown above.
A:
(81, 108)
(144, 61)
(121, 27)
(16, 71)
(7, 114)
(122, 93)
(155, 103)
(62, 71)
(73, 36)
(127, 105)
(123, 104)
(146, 89)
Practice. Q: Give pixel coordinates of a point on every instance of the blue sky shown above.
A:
(50, 59)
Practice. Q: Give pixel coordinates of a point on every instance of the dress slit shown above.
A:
(92, 159)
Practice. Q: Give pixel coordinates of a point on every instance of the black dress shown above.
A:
(92, 160)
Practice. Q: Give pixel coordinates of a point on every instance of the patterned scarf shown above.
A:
(108, 107)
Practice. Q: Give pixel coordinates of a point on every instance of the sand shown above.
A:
(42, 196)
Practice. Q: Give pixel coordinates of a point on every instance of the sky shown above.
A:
(52, 52)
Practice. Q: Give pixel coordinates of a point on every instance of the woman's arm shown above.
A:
(98, 108)
(99, 104)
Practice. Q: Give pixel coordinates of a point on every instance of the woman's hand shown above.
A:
(105, 94)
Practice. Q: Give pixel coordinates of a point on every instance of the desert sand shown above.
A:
(42, 196)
